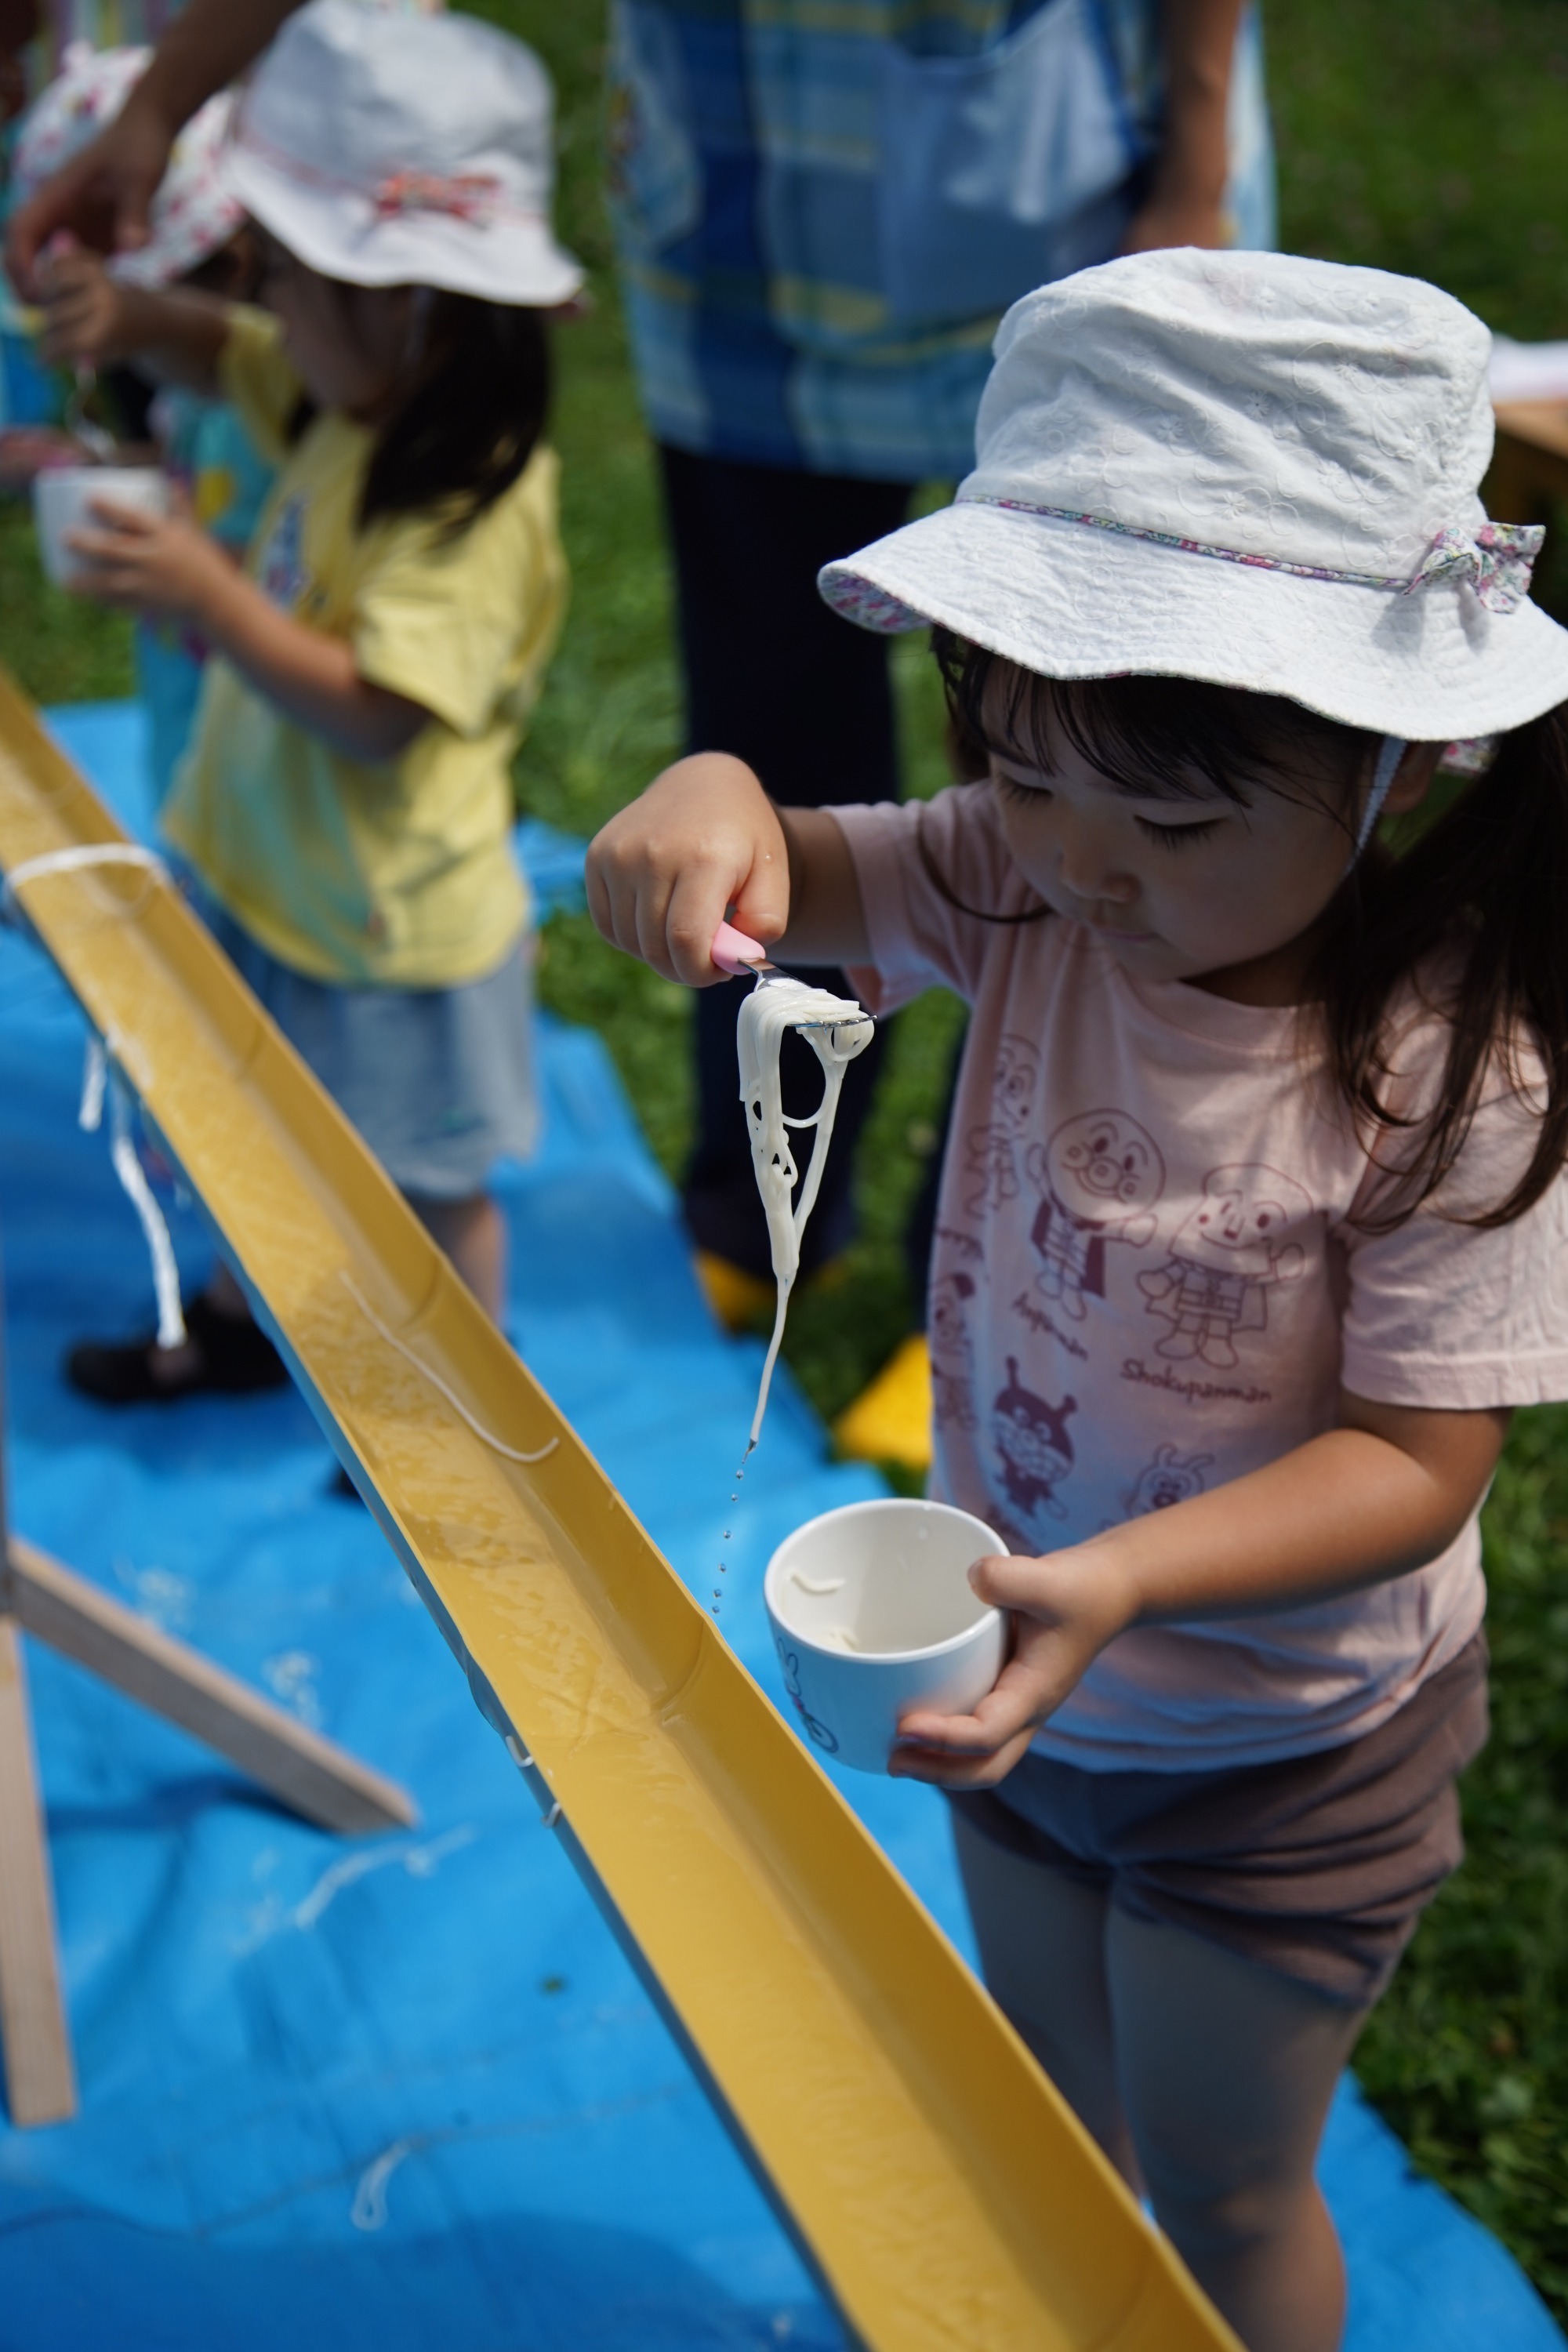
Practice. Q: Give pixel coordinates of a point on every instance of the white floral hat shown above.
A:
(405, 151)
(193, 213)
(1245, 467)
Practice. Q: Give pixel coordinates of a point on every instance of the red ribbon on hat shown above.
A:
(472, 196)
(477, 198)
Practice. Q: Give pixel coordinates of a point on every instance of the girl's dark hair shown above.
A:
(467, 431)
(1468, 906)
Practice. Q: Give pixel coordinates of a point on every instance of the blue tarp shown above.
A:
(405, 2092)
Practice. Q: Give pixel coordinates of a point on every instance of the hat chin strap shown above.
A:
(1391, 751)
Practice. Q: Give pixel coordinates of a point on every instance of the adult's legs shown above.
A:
(805, 699)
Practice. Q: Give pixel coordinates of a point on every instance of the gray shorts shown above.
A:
(1319, 1866)
(438, 1081)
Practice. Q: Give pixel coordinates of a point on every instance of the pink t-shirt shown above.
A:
(1147, 1281)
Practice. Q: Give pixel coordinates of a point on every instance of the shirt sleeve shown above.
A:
(1455, 1317)
(462, 624)
(934, 878)
(256, 374)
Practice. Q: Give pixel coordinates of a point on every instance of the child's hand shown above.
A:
(86, 316)
(1066, 1607)
(29, 450)
(161, 565)
(704, 841)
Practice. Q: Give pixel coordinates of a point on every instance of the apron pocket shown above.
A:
(655, 172)
(1002, 171)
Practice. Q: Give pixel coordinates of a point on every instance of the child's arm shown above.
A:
(704, 841)
(108, 188)
(174, 571)
(1387, 1491)
(90, 318)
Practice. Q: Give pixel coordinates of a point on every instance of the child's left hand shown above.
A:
(162, 565)
(1065, 1605)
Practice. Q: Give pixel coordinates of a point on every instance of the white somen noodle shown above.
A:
(836, 1029)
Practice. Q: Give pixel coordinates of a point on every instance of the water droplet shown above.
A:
(722, 1569)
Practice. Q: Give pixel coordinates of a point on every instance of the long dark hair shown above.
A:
(1468, 905)
(468, 429)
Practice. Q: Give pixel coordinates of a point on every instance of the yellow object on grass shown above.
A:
(890, 1421)
(739, 1299)
(397, 873)
(743, 1301)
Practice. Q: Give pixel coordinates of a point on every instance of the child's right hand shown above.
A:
(84, 311)
(702, 842)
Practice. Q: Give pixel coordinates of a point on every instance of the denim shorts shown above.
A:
(438, 1081)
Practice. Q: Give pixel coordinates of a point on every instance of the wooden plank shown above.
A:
(40, 2080)
(1541, 422)
(310, 1774)
(1528, 471)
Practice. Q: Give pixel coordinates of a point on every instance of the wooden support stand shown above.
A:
(305, 1772)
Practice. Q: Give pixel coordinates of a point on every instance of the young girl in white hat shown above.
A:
(347, 804)
(1253, 1227)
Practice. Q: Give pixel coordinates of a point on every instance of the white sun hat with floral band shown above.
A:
(405, 151)
(1246, 467)
(193, 215)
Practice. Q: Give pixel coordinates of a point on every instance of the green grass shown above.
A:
(1421, 135)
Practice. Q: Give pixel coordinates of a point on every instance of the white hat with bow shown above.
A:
(1246, 468)
(405, 151)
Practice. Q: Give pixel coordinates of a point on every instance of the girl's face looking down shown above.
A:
(359, 348)
(1185, 882)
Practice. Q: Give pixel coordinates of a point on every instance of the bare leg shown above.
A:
(1227, 2069)
(473, 1234)
(1042, 1953)
(224, 1295)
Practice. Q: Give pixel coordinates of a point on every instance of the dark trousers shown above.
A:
(805, 699)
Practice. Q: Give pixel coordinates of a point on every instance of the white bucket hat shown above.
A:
(192, 215)
(1245, 467)
(405, 151)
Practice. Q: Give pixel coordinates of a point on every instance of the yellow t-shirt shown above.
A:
(398, 872)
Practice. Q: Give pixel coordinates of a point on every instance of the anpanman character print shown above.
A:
(1223, 1259)
(1099, 1179)
(1035, 1451)
(993, 1162)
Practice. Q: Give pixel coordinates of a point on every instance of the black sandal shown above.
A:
(233, 1356)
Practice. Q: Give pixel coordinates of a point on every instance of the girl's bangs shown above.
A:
(1155, 737)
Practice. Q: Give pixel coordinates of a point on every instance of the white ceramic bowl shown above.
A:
(872, 1611)
(62, 502)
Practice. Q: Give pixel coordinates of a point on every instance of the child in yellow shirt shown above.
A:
(347, 801)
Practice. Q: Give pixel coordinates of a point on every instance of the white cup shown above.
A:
(63, 497)
(872, 1611)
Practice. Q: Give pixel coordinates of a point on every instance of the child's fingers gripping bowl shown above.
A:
(873, 1614)
(72, 500)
